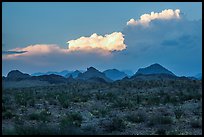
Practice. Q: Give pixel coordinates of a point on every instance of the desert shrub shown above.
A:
(18, 120)
(40, 116)
(31, 102)
(39, 129)
(100, 112)
(136, 117)
(174, 132)
(52, 102)
(110, 96)
(8, 132)
(80, 97)
(73, 118)
(161, 131)
(89, 130)
(20, 99)
(123, 103)
(196, 123)
(157, 120)
(153, 100)
(178, 112)
(64, 100)
(100, 96)
(198, 110)
(115, 124)
(7, 114)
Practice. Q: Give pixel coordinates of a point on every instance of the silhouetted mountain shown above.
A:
(62, 73)
(96, 79)
(91, 73)
(153, 69)
(154, 77)
(114, 74)
(73, 74)
(17, 75)
(52, 78)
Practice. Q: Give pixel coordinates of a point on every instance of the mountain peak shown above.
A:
(15, 74)
(92, 73)
(154, 69)
(91, 69)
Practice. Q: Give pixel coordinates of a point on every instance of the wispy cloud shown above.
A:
(12, 52)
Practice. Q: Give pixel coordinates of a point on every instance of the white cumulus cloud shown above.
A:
(145, 19)
(109, 42)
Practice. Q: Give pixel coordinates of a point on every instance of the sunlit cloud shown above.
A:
(34, 50)
(102, 45)
(109, 42)
(145, 19)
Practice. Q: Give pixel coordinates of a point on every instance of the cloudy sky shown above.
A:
(41, 37)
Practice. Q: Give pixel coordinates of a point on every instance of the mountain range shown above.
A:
(152, 72)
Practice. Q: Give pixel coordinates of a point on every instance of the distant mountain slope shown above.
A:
(114, 74)
(73, 74)
(62, 73)
(93, 73)
(154, 69)
(17, 75)
(198, 76)
(52, 78)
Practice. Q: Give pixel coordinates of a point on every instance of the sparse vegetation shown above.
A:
(123, 107)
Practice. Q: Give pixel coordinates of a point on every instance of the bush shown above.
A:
(136, 117)
(161, 131)
(40, 129)
(73, 118)
(196, 123)
(89, 130)
(40, 116)
(116, 124)
(123, 103)
(157, 120)
(100, 112)
(7, 114)
(63, 99)
(178, 112)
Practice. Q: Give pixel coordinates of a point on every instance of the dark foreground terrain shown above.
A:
(172, 107)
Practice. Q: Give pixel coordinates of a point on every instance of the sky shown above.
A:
(52, 36)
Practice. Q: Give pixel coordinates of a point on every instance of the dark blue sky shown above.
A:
(178, 48)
